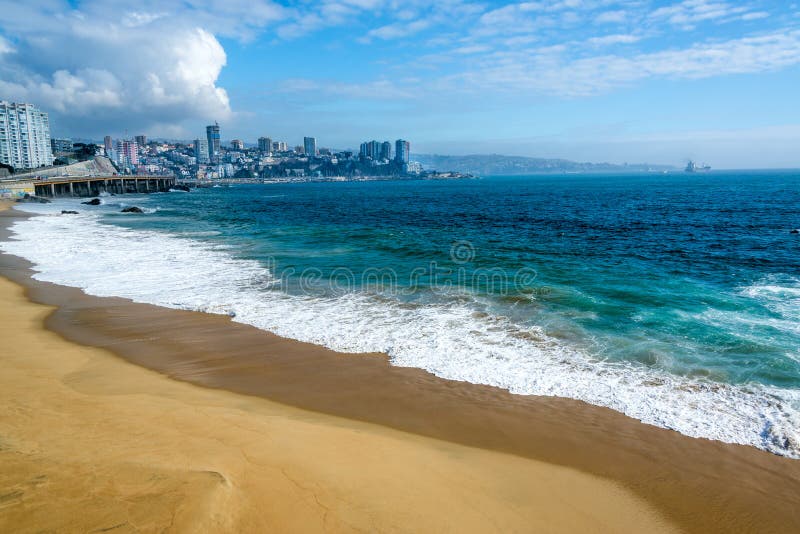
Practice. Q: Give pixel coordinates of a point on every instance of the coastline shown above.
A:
(698, 484)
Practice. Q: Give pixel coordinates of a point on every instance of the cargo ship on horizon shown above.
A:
(694, 167)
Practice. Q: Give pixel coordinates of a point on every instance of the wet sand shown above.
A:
(697, 485)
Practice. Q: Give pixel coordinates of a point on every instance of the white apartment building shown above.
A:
(24, 136)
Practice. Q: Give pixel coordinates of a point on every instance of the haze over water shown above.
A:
(672, 298)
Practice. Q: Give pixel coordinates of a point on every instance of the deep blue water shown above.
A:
(635, 267)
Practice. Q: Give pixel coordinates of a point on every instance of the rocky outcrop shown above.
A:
(93, 202)
(33, 199)
(132, 209)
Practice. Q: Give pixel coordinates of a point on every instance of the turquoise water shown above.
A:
(673, 298)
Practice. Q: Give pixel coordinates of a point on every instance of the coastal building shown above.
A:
(237, 144)
(372, 149)
(127, 152)
(108, 144)
(60, 146)
(386, 150)
(201, 150)
(212, 136)
(402, 151)
(265, 144)
(24, 136)
(141, 141)
(310, 146)
(413, 167)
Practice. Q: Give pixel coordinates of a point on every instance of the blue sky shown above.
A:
(594, 80)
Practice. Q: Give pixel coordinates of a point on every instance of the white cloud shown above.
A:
(375, 90)
(5, 46)
(755, 15)
(612, 17)
(147, 68)
(688, 13)
(546, 70)
(621, 38)
(133, 19)
(397, 30)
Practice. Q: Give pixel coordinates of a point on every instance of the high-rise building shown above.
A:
(237, 144)
(212, 135)
(279, 146)
(265, 144)
(24, 136)
(374, 149)
(201, 151)
(310, 146)
(141, 141)
(127, 152)
(402, 151)
(108, 144)
(386, 150)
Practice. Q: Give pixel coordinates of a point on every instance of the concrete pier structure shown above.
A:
(85, 186)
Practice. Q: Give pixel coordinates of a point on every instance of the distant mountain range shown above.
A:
(496, 164)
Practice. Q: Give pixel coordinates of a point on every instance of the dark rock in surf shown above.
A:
(93, 202)
(34, 199)
(132, 209)
(68, 212)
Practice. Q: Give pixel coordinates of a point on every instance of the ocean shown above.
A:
(672, 298)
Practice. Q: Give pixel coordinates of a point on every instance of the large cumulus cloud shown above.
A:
(102, 70)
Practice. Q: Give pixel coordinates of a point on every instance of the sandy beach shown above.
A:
(92, 443)
(123, 417)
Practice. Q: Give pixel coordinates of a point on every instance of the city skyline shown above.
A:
(585, 80)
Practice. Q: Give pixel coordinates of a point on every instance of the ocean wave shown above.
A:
(778, 293)
(448, 339)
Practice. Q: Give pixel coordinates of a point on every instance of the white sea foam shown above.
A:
(449, 340)
(779, 294)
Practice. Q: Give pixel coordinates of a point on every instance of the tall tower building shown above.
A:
(376, 150)
(141, 141)
(386, 150)
(24, 136)
(201, 151)
(402, 151)
(127, 152)
(108, 145)
(237, 144)
(310, 146)
(265, 144)
(212, 135)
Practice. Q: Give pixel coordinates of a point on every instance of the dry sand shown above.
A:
(89, 443)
